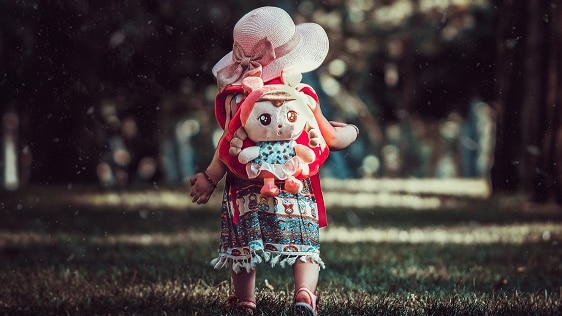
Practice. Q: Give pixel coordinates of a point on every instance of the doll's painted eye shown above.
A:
(292, 116)
(265, 119)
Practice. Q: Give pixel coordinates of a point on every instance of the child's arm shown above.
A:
(336, 134)
(204, 183)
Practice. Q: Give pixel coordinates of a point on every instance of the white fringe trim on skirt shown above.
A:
(249, 262)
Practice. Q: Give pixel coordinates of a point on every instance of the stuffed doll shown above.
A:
(273, 117)
(235, 138)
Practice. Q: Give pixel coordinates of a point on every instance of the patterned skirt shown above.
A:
(277, 230)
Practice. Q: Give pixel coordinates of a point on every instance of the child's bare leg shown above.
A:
(244, 285)
(305, 274)
(306, 279)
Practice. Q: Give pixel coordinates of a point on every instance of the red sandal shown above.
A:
(306, 304)
(247, 307)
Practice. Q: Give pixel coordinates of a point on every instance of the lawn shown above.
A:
(472, 257)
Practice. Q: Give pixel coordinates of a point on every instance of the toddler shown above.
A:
(283, 228)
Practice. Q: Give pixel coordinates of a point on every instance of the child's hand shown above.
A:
(342, 135)
(338, 124)
(201, 188)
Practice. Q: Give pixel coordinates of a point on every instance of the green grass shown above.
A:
(63, 259)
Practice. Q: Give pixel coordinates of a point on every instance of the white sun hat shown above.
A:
(267, 42)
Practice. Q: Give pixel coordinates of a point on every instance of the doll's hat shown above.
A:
(266, 42)
(256, 90)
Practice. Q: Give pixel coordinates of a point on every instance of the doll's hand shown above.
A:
(237, 141)
(248, 154)
(314, 137)
(201, 188)
(235, 146)
(304, 153)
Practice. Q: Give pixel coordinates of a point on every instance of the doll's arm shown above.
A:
(237, 141)
(315, 137)
(304, 153)
(248, 154)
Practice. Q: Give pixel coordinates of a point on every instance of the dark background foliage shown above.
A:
(405, 63)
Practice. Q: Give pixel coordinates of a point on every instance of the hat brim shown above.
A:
(307, 55)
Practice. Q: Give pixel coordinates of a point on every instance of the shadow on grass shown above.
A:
(97, 221)
(78, 260)
(399, 267)
(481, 212)
(63, 271)
(82, 220)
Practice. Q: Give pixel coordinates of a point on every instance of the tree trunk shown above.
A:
(554, 104)
(534, 179)
(510, 79)
(529, 85)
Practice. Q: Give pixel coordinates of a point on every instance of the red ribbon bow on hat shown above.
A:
(244, 66)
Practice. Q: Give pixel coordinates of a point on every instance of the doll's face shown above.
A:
(271, 120)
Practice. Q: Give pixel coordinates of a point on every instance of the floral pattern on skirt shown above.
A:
(277, 230)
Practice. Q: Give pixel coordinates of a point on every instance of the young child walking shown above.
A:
(280, 228)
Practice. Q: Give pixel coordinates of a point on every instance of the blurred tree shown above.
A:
(60, 59)
(410, 63)
(529, 85)
(392, 63)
